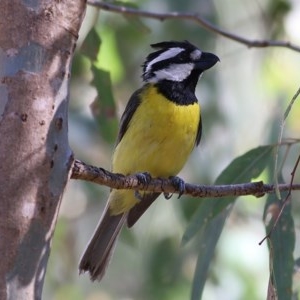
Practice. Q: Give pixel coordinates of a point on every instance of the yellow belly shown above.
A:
(159, 139)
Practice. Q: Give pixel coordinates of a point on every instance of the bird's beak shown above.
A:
(206, 61)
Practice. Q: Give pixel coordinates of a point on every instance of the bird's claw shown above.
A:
(179, 184)
(143, 178)
(168, 195)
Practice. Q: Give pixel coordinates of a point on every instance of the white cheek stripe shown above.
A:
(175, 72)
(165, 55)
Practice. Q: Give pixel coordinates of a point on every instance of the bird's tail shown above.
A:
(97, 255)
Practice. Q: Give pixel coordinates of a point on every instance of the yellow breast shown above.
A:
(159, 139)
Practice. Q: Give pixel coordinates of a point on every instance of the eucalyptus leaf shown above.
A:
(208, 221)
(281, 244)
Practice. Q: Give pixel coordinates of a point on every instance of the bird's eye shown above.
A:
(183, 57)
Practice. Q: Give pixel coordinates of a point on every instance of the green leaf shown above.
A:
(91, 45)
(207, 244)
(281, 245)
(104, 107)
(242, 169)
(209, 219)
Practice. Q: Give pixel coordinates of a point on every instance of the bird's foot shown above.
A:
(143, 178)
(179, 184)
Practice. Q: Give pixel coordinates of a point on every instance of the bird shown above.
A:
(159, 128)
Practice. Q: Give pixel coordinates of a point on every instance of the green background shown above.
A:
(243, 99)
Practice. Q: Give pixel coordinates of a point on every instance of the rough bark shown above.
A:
(37, 41)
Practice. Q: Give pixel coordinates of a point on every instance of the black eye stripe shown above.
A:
(151, 59)
(180, 58)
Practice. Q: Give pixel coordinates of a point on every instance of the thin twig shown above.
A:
(280, 136)
(193, 18)
(101, 176)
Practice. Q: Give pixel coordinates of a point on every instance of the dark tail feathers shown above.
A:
(100, 248)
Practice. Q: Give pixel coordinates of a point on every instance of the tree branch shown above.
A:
(101, 176)
(193, 17)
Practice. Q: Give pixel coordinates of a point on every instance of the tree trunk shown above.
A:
(37, 41)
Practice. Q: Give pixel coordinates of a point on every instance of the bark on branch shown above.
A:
(101, 176)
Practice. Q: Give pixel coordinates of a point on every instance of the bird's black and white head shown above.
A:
(177, 62)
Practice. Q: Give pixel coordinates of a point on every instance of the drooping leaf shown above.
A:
(91, 45)
(207, 244)
(209, 220)
(242, 169)
(281, 245)
(103, 108)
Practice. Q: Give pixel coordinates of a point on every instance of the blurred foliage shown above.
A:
(240, 99)
(91, 45)
(104, 106)
(278, 10)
